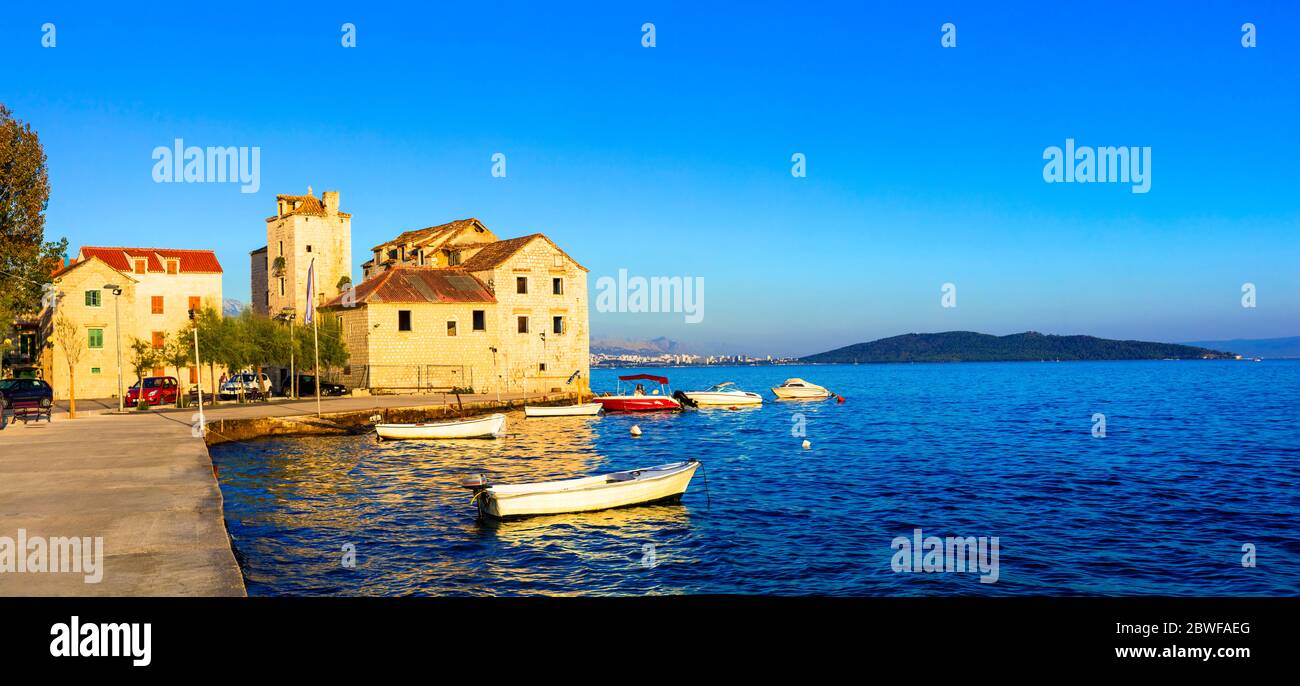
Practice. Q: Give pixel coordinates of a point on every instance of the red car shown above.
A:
(157, 390)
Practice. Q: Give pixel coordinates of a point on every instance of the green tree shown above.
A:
(143, 358)
(178, 353)
(26, 260)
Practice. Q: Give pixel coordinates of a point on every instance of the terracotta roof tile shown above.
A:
(421, 285)
(123, 259)
(431, 233)
(494, 254)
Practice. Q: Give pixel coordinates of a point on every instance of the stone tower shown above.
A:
(304, 228)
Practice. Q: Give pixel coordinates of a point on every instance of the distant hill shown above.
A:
(968, 346)
(1257, 347)
(231, 307)
(654, 346)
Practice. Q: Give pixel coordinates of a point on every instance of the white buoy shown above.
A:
(636, 430)
(807, 444)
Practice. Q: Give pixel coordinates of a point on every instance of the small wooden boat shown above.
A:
(620, 489)
(798, 389)
(584, 409)
(638, 400)
(725, 394)
(491, 426)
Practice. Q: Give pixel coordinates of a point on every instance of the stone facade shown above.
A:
(404, 334)
(159, 287)
(259, 295)
(304, 229)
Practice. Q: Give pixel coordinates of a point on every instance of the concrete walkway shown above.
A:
(142, 483)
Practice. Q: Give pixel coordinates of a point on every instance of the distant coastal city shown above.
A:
(682, 360)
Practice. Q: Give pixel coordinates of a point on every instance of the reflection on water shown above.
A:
(973, 450)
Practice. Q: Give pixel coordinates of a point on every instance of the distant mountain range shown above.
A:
(231, 307)
(969, 346)
(1257, 347)
(654, 346)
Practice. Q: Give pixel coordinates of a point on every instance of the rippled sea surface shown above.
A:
(1198, 460)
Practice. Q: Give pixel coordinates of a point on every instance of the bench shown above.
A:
(30, 411)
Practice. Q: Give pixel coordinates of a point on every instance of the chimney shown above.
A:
(279, 207)
(331, 200)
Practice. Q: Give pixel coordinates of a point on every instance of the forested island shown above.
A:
(969, 346)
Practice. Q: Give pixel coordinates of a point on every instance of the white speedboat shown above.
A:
(633, 487)
(491, 426)
(724, 394)
(798, 389)
(584, 409)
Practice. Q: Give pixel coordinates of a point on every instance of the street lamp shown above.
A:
(117, 328)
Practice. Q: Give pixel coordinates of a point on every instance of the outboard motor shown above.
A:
(477, 484)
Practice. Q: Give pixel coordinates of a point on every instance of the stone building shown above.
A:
(158, 286)
(304, 229)
(451, 306)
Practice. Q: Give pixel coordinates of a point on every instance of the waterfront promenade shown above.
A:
(144, 482)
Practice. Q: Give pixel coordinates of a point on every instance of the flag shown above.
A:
(309, 315)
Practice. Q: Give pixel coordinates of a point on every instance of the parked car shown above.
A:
(18, 393)
(250, 383)
(25, 391)
(157, 390)
(307, 387)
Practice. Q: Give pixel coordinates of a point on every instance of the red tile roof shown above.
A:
(306, 204)
(428, 234)
(421, 285)
(123, 259)
(494, 254)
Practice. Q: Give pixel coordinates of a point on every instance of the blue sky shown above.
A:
(924, 164)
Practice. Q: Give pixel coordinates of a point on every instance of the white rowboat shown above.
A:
(563, 410)
(491, 426)
(619, 489)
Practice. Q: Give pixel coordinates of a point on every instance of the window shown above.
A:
(159, 340)
(195, 303)
(453, 258)
(194, 374)
(451, 327)
(141, 266)
(281, 288)
(521, 284)
(403, 320)
(157, 304)
(557, 261)
(281, 248)
(95, 338)
(557, 286)
(309, 248)
(94, 370)
(92, 299)
(541, 366)
(157, 371)
(173, 266)
(480, 320)
(523, 325)
(557, 324)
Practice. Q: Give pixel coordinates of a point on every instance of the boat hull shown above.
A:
(492, 426)
(801, 393)
(638, 403)
(708, 399)
(588, 494)
(585, 409)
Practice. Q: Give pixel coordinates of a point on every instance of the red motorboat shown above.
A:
(639, 400)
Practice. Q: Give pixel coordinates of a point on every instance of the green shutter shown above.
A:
(96, 338)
